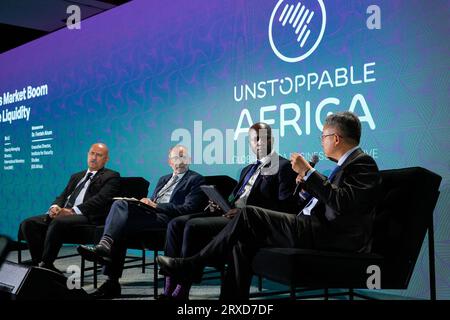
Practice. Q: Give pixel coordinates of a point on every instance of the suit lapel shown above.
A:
(161, 184)
(241, 179)
(95, 178)
(258, 181)
(181, 183)
(261, 176)
(74, 182)
(350, 158)
(79, 177)
(98, 175)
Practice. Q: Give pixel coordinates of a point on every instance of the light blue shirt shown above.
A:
(165, 198)
(79, 200)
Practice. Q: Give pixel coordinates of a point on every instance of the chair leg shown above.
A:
(292, 295)
(19, 254)
(82, 272)
(351, 295)
(143, 260)
(95, 274)
(155, 274)
(260, 283)
(431, 260)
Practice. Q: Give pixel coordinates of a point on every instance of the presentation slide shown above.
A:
(146, 76)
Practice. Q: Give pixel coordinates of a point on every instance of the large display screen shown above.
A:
(149, 74)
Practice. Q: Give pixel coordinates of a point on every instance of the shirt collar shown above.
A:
(93, 173)
(181, 175)
(265, 160)
(346, 155)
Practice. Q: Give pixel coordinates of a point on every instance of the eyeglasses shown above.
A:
(327, 135)
(175, 158)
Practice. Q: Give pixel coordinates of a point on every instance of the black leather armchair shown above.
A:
(4, 248)
(403, 218)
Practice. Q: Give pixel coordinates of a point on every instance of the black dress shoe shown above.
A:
(108, 290)
(98, 253)
(49, 267)
(164, 297)
(178, 268)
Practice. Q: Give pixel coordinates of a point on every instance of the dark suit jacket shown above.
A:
(187, 197)
(98, 197)
(274, 192)
(346, 207)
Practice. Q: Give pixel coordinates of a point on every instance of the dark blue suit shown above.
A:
(272, 191)
(188, 234)
(126, 218)
(187, 196)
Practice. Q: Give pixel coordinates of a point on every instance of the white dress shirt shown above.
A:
(242, 200)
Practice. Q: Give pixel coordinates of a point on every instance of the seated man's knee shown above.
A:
(194, 227)
(249, 211)
(59, 224)
(190, 227)
(122, 204)
(177, 224)
(26, 225)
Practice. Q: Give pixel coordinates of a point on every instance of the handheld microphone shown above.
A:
(314, 160)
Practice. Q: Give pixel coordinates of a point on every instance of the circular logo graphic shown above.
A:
(296, 28)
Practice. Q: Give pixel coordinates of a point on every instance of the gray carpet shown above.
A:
(139, 286)
(135, 284)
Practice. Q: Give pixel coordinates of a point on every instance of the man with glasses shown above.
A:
(175, 194)
(338, 215)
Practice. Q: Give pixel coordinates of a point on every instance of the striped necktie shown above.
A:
(167, 187)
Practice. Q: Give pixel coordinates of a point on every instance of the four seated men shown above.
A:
(332, 213)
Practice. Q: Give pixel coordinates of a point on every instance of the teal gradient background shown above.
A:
(133, 75)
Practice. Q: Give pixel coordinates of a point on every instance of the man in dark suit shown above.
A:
(85, 200)
(337, 216)
(175, 194)
(269, 182)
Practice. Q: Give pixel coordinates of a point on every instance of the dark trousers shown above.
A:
(45, 237)
(251, 229)
(123, 220)
(188, 234)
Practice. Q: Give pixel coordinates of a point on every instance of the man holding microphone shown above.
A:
(338, 217)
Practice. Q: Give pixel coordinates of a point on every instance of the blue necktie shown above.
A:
(247, 178)
(311, 198)
(334, 172)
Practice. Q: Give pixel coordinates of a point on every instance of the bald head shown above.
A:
(98, 156)
(179, 159)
